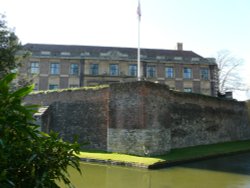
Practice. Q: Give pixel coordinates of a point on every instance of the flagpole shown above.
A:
(139, 50)
(139, 54)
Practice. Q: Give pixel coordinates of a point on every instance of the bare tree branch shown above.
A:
(228, 72)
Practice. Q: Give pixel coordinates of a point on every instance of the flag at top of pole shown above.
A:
(139, 10)
(138, 51)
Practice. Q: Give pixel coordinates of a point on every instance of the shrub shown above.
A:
(29, 157)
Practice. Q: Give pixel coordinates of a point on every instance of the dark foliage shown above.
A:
(29, 157)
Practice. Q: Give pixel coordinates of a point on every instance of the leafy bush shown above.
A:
(29, 157)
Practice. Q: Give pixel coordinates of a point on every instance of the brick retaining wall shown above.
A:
(142, 118)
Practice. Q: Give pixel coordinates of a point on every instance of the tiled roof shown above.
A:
(97, 50)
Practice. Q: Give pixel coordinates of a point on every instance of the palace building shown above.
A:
(64, 66)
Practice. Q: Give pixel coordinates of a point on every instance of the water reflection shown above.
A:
(228, 172)
(239, 164)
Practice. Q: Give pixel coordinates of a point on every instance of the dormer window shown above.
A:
(84, 54)
(178, 58)
(195, 59)
(65, 53)
(45, 53)
(160, 57)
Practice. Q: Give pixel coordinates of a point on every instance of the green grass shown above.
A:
(206, 150)
(120, 158)
(175, 154)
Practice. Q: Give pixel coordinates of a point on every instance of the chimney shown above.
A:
(179, 46)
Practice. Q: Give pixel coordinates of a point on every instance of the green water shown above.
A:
(230, 172)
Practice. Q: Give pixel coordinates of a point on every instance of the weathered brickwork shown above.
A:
(47, 98)
(85, 119)
(81, 113)
(143, 118)
(152, 141)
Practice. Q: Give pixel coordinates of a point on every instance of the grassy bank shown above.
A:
(175, 156)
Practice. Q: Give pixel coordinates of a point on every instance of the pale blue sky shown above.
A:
(203, 26)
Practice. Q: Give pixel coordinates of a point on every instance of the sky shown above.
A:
(203, 26)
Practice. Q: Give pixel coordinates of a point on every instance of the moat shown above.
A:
(224, 172)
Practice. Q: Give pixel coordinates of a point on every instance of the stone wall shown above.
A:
(137, 121)
(82, 113)
(48, 97)
(184, 119)
(139, 141)
(143, 118)
(248, 107)
(85, 119)
(199, 120)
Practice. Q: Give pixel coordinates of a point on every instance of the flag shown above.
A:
(139, 10)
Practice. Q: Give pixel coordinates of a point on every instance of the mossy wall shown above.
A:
(83, 113)
(248, 108)
(143, 118)
(192, 119)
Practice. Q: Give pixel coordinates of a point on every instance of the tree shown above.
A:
(9, 46)
(248, 93)
(10, 56)
(228, 72)
(29, 157)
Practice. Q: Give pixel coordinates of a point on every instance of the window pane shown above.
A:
(151, 71)
(53, 86)
(188, 90)
(132, 70)
(113, 70)
(36, 87)
(74, 69)
(187, 73)
(54, 68)
(34, 68)
(169, 72)
(73, 85)
(94, 69)
(204, 73)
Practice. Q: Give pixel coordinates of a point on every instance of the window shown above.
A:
(151, 71)
(14, 70)
(65, 53)
(54, 68)
(132, 70)
(36, 87)
(34, 68)
(113, 70)
(53, 86)
(187, 73)
(195, 59)
(188, 90)
(74, 69)
(160, 57)
(178, 58)
(204, 73)
(73, 85)
(169, 72)
(45, 53)
(94, 69)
